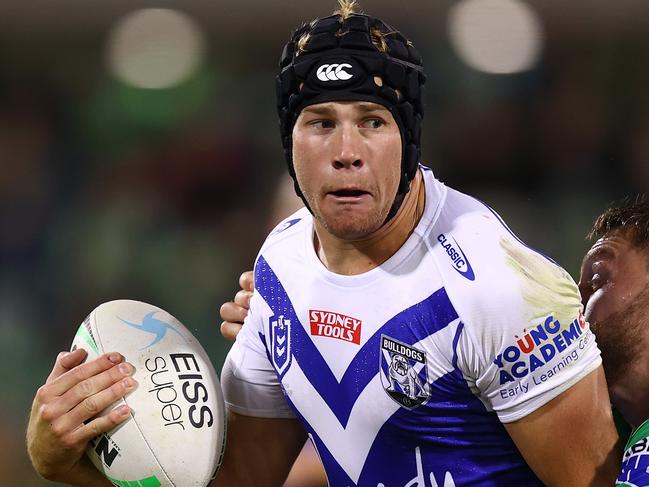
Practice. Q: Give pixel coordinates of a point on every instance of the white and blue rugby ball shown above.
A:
(175, 436)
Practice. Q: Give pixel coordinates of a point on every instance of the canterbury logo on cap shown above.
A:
(334, 72)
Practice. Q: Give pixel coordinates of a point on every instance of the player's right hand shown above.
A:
(62, 419)
(234, 312)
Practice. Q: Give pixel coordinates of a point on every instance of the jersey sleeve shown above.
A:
(526, 340)
(250, 384)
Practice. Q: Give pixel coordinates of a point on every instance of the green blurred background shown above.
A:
(140, 156)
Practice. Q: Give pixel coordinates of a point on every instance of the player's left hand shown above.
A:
(234, 312)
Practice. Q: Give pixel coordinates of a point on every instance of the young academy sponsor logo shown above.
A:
(404, 374)
(459, 260)
(539, 347)
(335, 325)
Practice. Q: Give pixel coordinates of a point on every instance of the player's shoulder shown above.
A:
(500, 287)
(288, 232)
(476, 243)
(284, 247)
(489, 273)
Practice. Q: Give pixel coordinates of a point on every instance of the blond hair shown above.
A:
(346, 9)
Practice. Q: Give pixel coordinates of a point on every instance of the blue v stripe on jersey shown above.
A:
(410, 326)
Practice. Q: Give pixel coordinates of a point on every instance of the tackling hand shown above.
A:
(234, 312)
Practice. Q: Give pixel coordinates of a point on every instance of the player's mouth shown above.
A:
(348, 195)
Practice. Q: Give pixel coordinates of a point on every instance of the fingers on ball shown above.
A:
(87, 370)
(62, 403)
(94, 367)
(66, 361)
(71, 359)
(93, 405)
(102, 424)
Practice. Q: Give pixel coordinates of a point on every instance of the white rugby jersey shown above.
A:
(402, 376)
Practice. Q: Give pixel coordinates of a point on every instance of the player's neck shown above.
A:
(630, 393)
(358, 256)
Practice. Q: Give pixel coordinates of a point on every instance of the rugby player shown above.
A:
(397, 323)
(614, 285)
(356, 282)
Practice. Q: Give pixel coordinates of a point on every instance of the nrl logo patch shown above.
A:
(280, 342)
(404, 374)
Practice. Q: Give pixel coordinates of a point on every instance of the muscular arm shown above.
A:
(260, 451)
(572, 439)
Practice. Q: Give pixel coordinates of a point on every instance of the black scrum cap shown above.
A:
(341, 62)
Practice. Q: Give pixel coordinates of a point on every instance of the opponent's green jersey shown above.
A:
(635, 462)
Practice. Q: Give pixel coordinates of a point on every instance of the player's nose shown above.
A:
(348, 147)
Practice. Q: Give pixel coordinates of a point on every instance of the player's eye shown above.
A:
(322, 124)
(601, 275)
(373, 123)
(595, 282)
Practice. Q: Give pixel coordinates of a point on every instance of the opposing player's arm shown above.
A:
(572, 440)
(260, 451)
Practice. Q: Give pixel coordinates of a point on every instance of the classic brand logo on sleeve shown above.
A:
(541, 345)
(335, 325)
(455, 252)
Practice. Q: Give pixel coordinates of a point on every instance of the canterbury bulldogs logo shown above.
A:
(334, 72)
(280, 342)
(404, 374)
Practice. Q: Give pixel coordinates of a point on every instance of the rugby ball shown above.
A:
(175, 435)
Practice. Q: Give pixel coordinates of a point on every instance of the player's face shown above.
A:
(347, 158)
(614, 290)
(613, 274)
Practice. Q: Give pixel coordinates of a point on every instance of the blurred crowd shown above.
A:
(109, 191)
